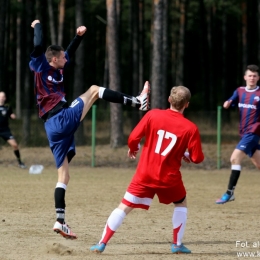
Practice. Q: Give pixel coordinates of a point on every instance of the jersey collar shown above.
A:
(251, 90)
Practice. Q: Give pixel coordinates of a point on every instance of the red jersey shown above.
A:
(167, 136)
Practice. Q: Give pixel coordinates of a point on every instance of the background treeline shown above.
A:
(202, 44)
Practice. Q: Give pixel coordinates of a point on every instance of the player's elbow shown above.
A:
(198, 159)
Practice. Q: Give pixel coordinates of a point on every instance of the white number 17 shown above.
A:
(164, 134)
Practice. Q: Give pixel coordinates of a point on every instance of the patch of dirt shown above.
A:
(28, 214)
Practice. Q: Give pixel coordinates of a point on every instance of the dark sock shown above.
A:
(17, 154)
(59, 198)
(117, 97)
(233, 181)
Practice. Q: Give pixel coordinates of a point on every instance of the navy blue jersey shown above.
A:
(5, 112)
(249, 109)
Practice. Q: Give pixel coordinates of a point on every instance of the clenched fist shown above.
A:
(81, 30)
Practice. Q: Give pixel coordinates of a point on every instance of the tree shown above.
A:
(78, 86)
(258, 20)
(3, 15)
(135, 53)
(141, 44)
(244, 33)
(116, 136)
(28, 8)
(157, 55)
(181, 44)
(51, 22)
(165, 40)
(18, 63)
(62, 17)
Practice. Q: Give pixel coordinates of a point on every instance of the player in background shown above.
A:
(167, 135)
(6, 112)
(247, 98)
(62, 120)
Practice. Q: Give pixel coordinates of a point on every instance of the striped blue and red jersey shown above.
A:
(48, 81)
(49, 85)
(249, 109)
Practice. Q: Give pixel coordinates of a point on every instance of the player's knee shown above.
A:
(234, 161)
(94, 89)
(15, 147)
(91, 93)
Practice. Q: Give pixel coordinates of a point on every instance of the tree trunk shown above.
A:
(116, 137)
(181, 39)
(210, 61)
(61, 19)
(164, 102)
(52, 23)
(3, 13)
(204, 68)
(27, 90)
(18, 65)
(174, 25)
(224, 58)
(244, 34)
(141, 45)
(156, 101)
(79, 84)
(258, 19)
(135, 56)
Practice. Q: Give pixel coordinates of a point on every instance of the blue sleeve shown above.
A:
(68, 60)
(234, 98)
(38, 64)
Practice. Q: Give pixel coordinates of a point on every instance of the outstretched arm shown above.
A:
(231, 101)
(227, 104)
(76, 41)
(37, 40)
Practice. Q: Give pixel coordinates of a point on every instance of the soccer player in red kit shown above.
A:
(169, 138)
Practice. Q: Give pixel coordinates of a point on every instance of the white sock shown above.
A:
(113, 223)
(179, 219)
(61, 185)
(101, 92)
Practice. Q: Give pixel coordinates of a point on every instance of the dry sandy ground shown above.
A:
(27, 210)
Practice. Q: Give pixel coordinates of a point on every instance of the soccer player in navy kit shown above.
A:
(6, 112)
(247, 98)
(62, 120)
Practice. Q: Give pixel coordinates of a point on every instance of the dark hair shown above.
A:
(252, 68)
(53, 51)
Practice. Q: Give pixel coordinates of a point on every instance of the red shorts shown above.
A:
(140, 196)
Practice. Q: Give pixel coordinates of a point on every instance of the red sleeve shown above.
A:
(138, 133)
(195, 149)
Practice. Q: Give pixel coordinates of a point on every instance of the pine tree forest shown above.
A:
(204, 45)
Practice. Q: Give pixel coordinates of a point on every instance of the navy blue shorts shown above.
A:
(60, 131)
(249, 143)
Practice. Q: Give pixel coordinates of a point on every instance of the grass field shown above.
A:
(28, 215)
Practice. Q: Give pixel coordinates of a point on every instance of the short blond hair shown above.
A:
(179, 97)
